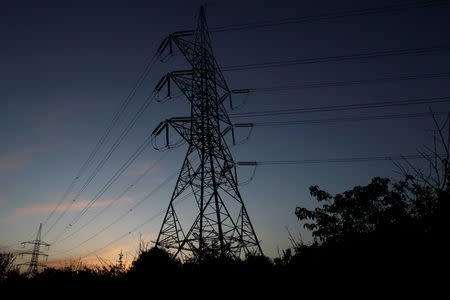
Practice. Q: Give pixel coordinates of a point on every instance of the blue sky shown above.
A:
(66, 68)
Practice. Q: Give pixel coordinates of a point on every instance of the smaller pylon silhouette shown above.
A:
(35, 253)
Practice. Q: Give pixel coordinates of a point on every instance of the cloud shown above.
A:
(15, 160)
(141, 168)
(125, 199)
(47, 208)
(3, 200)
(18, 159)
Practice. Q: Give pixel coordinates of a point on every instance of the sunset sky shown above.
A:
(66, 67)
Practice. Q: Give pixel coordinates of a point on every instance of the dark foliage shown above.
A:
(153, 264)
(381, 229)
(6, 265)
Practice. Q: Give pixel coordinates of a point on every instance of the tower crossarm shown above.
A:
(36, 242)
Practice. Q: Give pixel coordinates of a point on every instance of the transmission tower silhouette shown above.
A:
(221, 222)
(35, 253)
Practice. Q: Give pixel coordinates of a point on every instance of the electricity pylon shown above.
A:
(35, 253)
(222, 224)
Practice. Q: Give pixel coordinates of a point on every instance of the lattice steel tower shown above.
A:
(208, 172)
(35, 253)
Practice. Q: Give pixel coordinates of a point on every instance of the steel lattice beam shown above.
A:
(222, 223)
(35, 253)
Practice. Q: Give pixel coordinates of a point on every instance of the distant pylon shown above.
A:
(220, 220)
(35, 253)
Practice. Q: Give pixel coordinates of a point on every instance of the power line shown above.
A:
(106, 134)
(347, 82)
(137, 227)
(100, 165)
(380, 104)
(339, 120)
(334, 58)
(328, 160)
(126, 190)
(111, 181)
(8, 247)
(108, 184)
(157, 188)
(331, 16)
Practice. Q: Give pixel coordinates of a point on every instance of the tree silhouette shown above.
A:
(360, 211)
(386, 227)
(6, 264)
(153, 263)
